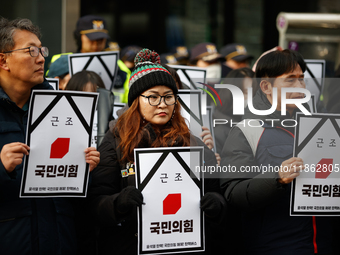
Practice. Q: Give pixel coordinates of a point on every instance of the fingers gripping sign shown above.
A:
(207, 137)
(92, 157)
(290, 169)
(12, 155)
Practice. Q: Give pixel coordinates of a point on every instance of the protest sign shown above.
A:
(58, 131)
(315, 77)
(316, 191)
(102, 63)
(54, 82)
(170, 220)
(192, 78)
(190, 101)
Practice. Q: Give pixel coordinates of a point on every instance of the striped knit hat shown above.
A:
(148, 72)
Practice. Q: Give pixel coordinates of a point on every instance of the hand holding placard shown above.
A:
(12, 154)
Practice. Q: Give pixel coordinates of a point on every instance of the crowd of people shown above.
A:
(245, 213)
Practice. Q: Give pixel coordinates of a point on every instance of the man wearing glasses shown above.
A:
(27, 226)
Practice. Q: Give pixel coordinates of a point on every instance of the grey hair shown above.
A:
(8, 28)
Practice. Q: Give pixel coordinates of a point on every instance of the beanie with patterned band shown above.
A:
(148, 73)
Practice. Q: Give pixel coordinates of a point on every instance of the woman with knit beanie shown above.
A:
(152, 120)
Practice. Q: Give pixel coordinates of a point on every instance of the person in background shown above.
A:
(91, 34)
(206, 133)
(59, 70)
(27, 225)
(177, 56)
(157, 122)
(181, 53)
(85, 81)
(91, 82)
(169, 59)
(205, 55)
(128, 54)
(243, 79)
(235, 56)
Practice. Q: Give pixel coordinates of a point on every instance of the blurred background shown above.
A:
(162, 25)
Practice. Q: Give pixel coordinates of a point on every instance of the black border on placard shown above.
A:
(31, 127)
(211, 128)
(314, 103)
(187, 108)
(184, 69)
(117, 107)
(98, 55)
(53, 80)
(323, 64)
(165, 152)
(298, 148)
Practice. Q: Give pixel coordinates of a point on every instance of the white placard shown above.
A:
(314, 76)
(190, 101)
(312, 104)
(117, 107)
(102, 63)
(54, 82)
(192, 77)
(171, 220)
(58, 131)
(316, 191)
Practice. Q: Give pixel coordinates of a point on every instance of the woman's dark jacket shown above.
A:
(114, 234)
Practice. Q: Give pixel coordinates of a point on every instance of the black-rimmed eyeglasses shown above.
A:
(155, 100)
(34, 51)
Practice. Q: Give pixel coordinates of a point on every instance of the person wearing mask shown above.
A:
(205, 55)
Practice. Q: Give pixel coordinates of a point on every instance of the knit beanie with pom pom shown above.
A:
(148, 72)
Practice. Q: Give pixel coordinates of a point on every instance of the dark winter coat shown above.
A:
(119, 235)
(263, 202)
(29, 226)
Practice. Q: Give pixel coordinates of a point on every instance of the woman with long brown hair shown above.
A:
(152, 120)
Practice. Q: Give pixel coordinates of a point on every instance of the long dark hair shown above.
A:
(79, 81)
